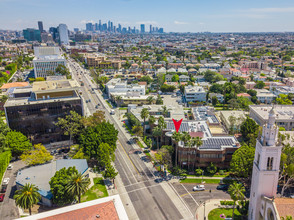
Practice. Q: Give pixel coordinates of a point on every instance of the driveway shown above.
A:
(8, 208)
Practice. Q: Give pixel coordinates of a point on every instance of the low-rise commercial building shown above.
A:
(232, 120)
(284, 115)
(34, 111)
(41, 175)
(117, 86)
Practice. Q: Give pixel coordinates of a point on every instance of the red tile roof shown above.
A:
(14, 84)
(285, 206)
(106, 211)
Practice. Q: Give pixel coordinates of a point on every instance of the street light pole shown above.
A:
(204, 212)
(202, 175)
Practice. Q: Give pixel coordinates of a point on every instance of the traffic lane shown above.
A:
(8, 208)
(210, 192)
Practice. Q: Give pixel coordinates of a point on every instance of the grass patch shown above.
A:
(212, 181)
(108, 103)
(215, 175)
(140, 144)
(95, 192)
(123, 108)
(129, 130)
(215, 214)
(187, 108)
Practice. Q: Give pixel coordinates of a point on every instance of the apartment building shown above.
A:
(101, 62)
(34, 111)
(195, 94)
(265, 96)
(284, 115)
(47, 60)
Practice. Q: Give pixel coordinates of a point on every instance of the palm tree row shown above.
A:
(188, 142)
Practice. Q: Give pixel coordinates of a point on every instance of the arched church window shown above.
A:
(270, 214)
(270, 161)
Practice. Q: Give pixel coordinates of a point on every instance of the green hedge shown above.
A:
(227, 202)
(5, 158)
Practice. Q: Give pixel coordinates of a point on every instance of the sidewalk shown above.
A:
(207, 207)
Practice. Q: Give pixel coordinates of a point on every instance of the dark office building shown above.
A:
(40, 25)
(35, 111)
(31, 34)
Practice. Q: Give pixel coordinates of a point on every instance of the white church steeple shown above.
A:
(266, 165)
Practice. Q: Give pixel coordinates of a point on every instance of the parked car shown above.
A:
(3, 188)
(222, 187)
(9, 167)
(5, 181)
(199, 188)
(96, 106)
(2, 197)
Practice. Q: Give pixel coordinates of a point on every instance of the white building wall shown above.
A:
(63, 34)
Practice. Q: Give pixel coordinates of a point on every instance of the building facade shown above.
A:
(35, 113)
(195, 94)
(47, 60)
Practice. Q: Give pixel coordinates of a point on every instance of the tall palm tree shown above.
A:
(144, 115)
(118, 99)
(157, 131)
(77, 185)
(151, 120)
(150, 99)
(27, 196)
(176, 137)
(236, 191)
(185, 137)
(161, 123)
(164, 110)
(198, 142)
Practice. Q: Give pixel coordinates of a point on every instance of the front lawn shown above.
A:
(215, 214)
(95, 192)
(211, 181)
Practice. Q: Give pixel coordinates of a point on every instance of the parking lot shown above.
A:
(194, 198)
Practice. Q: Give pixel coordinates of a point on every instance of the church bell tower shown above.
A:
(266, 166)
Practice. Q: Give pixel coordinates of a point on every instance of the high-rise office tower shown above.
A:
(111, 26)
(119, 28)
(63, 34)
(100, 25)
(142, 28)
(40, 25)
(108, 27)
(150, 28)
(54, 32)
(76, 30)
(89, 27)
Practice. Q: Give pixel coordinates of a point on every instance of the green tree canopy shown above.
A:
(236, 191)
(58, 184)
(283, 100)
(260, 85)
(92, 137)
(249, 130)
(242, 161)
(38, 155)
(71, 124)
(175, 78)
(17, 143)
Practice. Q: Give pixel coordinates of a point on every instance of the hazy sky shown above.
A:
(172, 15)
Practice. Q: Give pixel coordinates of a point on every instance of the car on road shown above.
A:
(9, 167)
(222, 187)
(112, 112)
(5, 181)
(199, 188)
(96, 106)
(2, 197)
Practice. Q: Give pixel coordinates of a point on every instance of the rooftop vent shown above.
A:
(97, 216)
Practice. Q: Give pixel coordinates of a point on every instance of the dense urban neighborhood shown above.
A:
(114, 122)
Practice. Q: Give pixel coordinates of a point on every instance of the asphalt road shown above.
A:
(194, 198)
(147, 196)
(8, 209)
